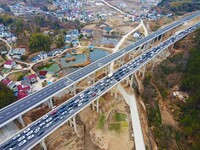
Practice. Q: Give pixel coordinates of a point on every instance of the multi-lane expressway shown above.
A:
(41, 128)
(18, 108)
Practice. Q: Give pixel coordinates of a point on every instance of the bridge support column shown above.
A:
(20, 119)
(73, 89)
(131, 55)
(120, 62)
(106, 69)
(95, 104)
(91, 78)
(50, 103)
(72, 123)
(42, 143)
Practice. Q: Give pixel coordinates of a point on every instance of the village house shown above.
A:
(9, 83)
(107, 30)
(32, 78)
(9, 64)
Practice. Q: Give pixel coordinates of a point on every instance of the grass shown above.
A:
(115, 126)
(17, 76)
(45, 66)
(101, 121)
(118, 117)
(124, 124)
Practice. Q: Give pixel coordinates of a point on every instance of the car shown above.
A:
(94, 94)
(63, 106)
(13, 144)
(40, 133)
(42, 124)
(45, 117)
(54, 112)
(49, 119)
(16, 136)
(21, 138)
(27, 130)
(79, 104)
(37, 122)
(30, 136)
(37, 130)
(70, 111)
(81, 95)
(6, 145)
(62, 117)
(77, 100)
(29, 133)
(56, 119)
(99, 92)
(63, 113)
(48, 124)
(22, 143)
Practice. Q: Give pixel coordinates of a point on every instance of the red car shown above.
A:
(94, 94)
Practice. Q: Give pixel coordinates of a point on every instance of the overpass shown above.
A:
(41, 128)
(17, 109)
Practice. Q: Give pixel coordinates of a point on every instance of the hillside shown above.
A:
(178, 7)
(180, 72)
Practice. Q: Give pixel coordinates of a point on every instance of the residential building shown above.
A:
(9, 83)
(9, 64)
(32, 78)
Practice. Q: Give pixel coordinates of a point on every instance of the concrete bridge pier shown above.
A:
(20, 119)
(50, 103)
(91, 78)
(131, 55)
(106, 69)
(120, 62)
(142, 71)
(42, 143)
(72, 123)
(95, 104)
(73, 89)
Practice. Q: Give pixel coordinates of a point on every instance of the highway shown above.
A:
(41, 128)
(10, 112)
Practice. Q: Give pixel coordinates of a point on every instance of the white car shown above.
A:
(30, 137)
(37, 130)
(26, 130)
(45, 117)
(16, 136)
(21, 138)
(42, 124)
(29, 133)
(49, 119)
(22, 143)
(48, 124)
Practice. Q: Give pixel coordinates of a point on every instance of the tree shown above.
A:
(80, 36)
(6, 96)
(60, 42)
(39, 41)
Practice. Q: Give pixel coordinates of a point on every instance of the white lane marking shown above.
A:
(1, 117)
(49, 89)
(45, 92)
(22, 105)
(55, 87)
(28, 102)
(39, 95)
(14, 109)
(7, 113)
